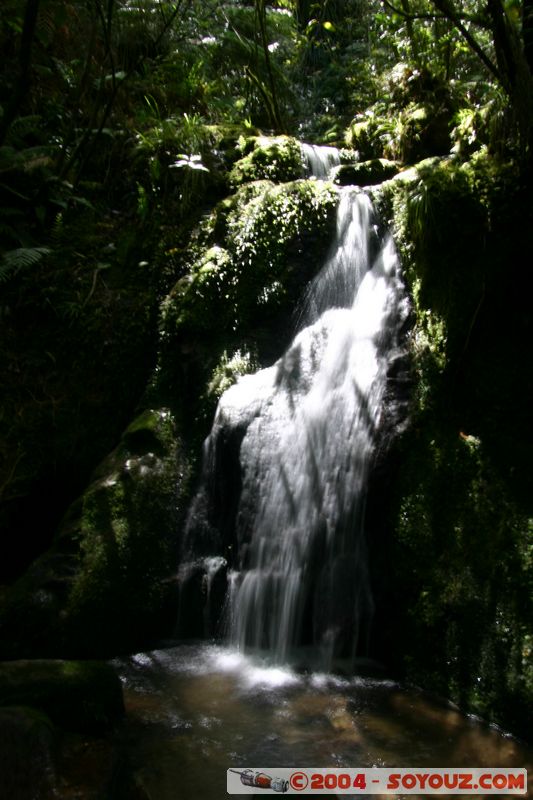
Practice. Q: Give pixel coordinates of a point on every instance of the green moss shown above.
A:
(148, 432)
(463, 572)
(274, 158)
(462, 520)
(247, 273)
(105, 586)
(127, 538)
(440, 224)
(422, 130)
(368, 135)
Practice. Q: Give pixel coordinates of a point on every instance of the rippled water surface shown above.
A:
(195, 711)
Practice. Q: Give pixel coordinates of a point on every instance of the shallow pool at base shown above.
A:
(194, 711)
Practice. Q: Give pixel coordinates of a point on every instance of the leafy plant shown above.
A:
(20, 258)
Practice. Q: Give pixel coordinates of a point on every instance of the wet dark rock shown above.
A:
(82, 696)
(103, 587)
(27, 748)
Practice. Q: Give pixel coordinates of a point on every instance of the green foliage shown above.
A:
(412, 120)
(334, 69)
(169, 157)
(127, 536)
(228, 370)
(21, 258)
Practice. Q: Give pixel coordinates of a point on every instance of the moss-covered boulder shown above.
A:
(460, 557)
(366, 173)
(81, 696)
(249, 262)
(465, 567)
(106, 585)
(274, 158)
(366, 135)
(246, 275)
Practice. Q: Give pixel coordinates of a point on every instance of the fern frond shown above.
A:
(12, 159)
(22, 126)
(21, 258)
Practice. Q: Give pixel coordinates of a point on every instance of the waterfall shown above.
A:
(286, 464)
(319, 160)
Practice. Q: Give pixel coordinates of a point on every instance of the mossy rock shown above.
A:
(461, 549)
(250, 265)
(244, 280)
(276, 159)
(366, 173)
(105, 586)
(362, 135)
(463, 567)
(424, 131)
(128, 535)
(81, 696)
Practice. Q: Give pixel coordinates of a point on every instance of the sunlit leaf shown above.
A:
(191, 162)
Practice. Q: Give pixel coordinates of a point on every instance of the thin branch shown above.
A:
(476, 20)
(407, 15)
(449, 11)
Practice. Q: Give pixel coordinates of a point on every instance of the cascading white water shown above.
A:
(319, 159)
(302, 571)
(304, 432)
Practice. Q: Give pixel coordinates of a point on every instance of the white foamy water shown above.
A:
(312, 421)
(320, 159)
(287, 462)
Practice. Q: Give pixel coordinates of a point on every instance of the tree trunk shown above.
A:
(23, 81)
(527, 32)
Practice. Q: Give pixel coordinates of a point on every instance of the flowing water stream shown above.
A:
(278, 550)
